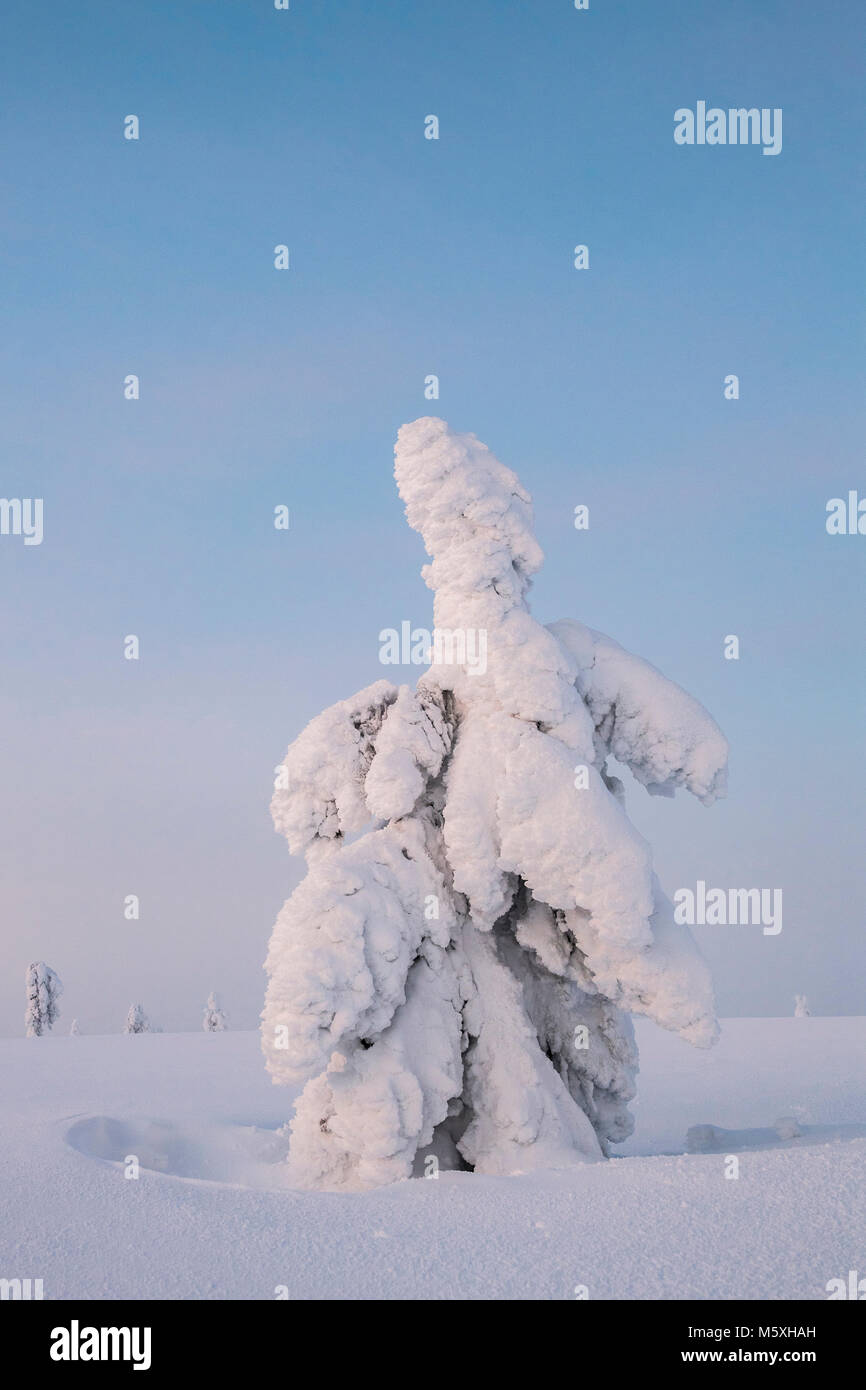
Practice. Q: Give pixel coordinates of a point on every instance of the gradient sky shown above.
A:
(260, 387)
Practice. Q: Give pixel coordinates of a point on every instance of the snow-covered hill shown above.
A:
(209, 1215)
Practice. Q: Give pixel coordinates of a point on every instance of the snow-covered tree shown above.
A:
(74, 1030)
(801, 1006)
(136, 1020)
(214, 1020)
(455, 975)
(44, 987)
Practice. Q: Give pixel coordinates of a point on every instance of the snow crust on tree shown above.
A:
(456, 973)
(43, 988)
(664, 737)
(801, 1006)
(213, 1020)
(137, 1020)
(325, 769)
(74, 1030)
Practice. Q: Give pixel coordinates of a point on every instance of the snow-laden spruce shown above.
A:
(43, 987)
(453, 978)
(213, 1019)
(137, 1020)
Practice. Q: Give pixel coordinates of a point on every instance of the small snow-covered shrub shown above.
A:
(137, 1020)
(214, 1020)
(44, 988)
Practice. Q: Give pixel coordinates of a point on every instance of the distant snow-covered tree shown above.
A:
(44, 987)
(137, 1020)
(456, 973)
(214, 1020)
(74, 1030)
(801, 1006)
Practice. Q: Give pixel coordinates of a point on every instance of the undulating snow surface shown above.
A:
(210, 1215)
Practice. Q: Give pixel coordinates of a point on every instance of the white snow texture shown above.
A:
(454, 977)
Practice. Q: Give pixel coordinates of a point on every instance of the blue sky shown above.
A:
(258, 387)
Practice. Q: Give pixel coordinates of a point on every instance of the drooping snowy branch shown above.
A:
(343, 944)
(362, 1121)
(369, 757)
(414, 738)
(645, 721)
(319, 793)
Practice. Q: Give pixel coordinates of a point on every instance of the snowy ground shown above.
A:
(208, 1217)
